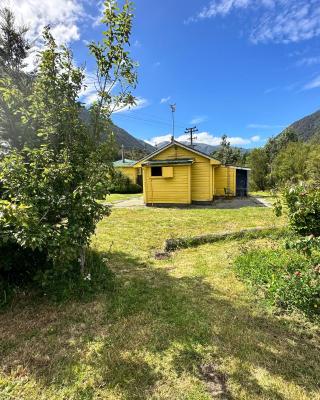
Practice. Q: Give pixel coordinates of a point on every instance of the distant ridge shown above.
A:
(203, 147)
(123, 137)
(130, 142)
(307, 128)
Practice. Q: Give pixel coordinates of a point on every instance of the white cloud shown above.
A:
(308, 61)
(314, 84)
(89, 93)
(222, 7)
(159, 139)
(291, 22)
(156, 64)
(255, 138)
(238, 141)
(281, 21)
(62, 15)
(264, 126)
(97, 19)
(198, 119)
(165, 100)
(204, 137)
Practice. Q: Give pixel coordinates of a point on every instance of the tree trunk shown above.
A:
(82, 260)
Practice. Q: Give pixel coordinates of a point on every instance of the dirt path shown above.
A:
(134, 202)
(238, 202)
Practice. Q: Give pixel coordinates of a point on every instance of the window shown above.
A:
(156, 171)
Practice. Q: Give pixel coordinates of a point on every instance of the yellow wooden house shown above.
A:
(127, 167)
(178, 174)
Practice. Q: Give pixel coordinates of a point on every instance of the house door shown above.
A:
(140, 177)
(140, 180)
(241, 182)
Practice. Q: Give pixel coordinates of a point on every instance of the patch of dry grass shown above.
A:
(116, 197)
(165, 320)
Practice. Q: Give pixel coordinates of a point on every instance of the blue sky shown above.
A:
(246, 68)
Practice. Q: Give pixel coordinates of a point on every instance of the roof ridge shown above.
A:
(175, 142)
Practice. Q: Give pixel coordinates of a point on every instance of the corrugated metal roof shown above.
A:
(126, 163)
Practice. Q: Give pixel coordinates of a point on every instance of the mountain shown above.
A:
(306, 128)
(203, 147)
(123, 137)
(130, 142)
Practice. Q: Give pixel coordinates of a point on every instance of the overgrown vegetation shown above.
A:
(248, 234)
(302, 202)
(229, 155)
(27, 272)
(284, 160)
(290, 275)
(120, 183)
(288, 279)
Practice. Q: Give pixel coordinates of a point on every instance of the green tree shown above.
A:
(275, 145)
(313, 163)
(14, 82)
(227, 154)
(50, 191)
(258, 161)
(14, 46)
(115, 70)
(302, 204)
(290, 163)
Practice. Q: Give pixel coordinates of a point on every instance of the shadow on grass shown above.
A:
(119, 341)
(221, 203)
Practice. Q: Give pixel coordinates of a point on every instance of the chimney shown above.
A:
(172, 138)
(122, 153)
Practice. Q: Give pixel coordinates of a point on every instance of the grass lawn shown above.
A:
(181, 328)
(262, 193)
(267, 195)
(115, 197)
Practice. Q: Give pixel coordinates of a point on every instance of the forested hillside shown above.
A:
(307, 128)
(291, 157)
(123, 137)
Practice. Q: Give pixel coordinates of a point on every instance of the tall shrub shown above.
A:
(302, 203)
(49, 189)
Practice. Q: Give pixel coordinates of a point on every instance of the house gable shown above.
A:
(178, 150)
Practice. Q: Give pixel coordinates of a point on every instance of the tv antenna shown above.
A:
(173, 110)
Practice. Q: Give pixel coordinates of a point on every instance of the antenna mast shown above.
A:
(173, 110)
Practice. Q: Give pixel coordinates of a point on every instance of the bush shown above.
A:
(290, 164)
(67, 283)
(121, 183)
(51, 178)
(303, 203)
(19, 265)
(288, 279)
(55, 284)
(48, 205)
